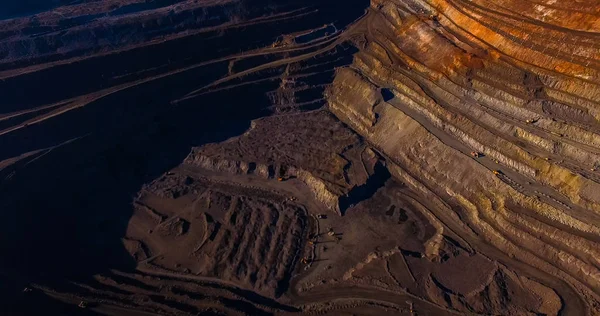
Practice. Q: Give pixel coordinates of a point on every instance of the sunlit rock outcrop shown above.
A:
(515, 82)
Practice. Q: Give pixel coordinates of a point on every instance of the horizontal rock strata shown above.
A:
(515, 81)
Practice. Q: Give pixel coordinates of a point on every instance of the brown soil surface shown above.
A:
(261, 157)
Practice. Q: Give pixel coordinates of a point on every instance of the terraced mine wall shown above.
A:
(514, 81)
(483, 113)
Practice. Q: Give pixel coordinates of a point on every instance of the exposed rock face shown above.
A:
(516, 81)
(457, 143)
(316, 185)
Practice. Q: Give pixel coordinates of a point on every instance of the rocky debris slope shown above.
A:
(102, 97)
(517, 83)
(459, 150)
(313, 147)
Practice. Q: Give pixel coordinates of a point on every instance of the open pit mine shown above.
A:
(300, 157)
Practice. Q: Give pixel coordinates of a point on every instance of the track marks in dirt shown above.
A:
(252, 241)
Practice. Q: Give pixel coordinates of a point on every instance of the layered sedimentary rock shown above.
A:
(317, 186)
(514, 81)
(435, 156)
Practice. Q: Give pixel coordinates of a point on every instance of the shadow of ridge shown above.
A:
(387, 94)
(65, 214)
(15, 9)
(365, 191)
(256, 298)
(16, 302)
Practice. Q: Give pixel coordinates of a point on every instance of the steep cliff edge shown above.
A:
(430, 157)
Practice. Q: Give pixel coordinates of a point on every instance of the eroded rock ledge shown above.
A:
(317, 186)
(418, 85)
(515, 81)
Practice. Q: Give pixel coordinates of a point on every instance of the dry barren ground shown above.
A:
(257, 157)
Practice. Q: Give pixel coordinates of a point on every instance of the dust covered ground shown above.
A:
(257, 157)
